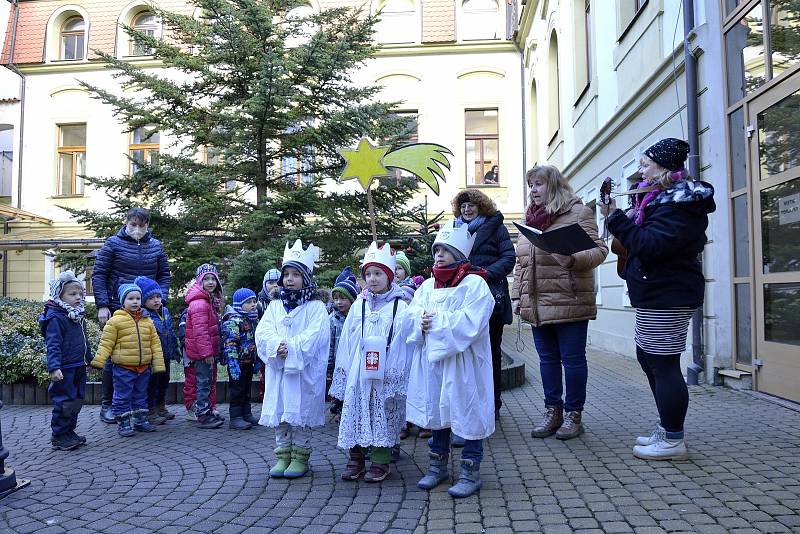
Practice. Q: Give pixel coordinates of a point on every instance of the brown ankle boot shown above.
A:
(551, 422)
(572, 427)
(355, 466)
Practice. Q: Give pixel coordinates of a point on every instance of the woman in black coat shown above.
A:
(664, 235)
(494, 251)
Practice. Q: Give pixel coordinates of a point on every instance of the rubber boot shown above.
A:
(355, 465)
(106, 415)
(154, 418)
(247, 415)
(437, 471)
(299, 464)
(124, 425)
(283, 456)
(141, 423)
(469, 480)
(553, 418)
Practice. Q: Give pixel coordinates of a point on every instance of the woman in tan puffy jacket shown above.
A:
(556, 295)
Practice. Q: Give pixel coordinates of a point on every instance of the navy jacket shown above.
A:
(166, 334)
(67, 342)
(494, 251)
(663, 268)
(121, 260)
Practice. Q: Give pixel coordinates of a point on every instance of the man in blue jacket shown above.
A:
(132, 252)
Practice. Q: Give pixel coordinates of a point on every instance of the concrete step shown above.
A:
(736, 379)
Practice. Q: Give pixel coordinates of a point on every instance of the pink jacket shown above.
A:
(202, 325)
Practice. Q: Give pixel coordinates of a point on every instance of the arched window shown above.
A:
(146, 23)
(398, 22)
(553, 97)
(480, 20)
(73, 39)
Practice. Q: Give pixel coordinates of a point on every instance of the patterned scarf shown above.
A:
(472, 225)
(642, 200)
(292, 298)
(452, 275)
(537, 217)
(75, 313)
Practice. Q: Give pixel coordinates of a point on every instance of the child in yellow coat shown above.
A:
(131, 340)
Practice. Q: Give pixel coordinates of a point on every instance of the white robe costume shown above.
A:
(450, 382)
(294, 388)
(374, 411)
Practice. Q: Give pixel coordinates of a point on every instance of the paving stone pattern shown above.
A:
(744, 474)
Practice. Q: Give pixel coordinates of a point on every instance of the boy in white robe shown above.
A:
(293, 339)
(450, 385)
(374, 409)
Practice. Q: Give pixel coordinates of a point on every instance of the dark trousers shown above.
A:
(563, 345)
(157, 388)
(67, 397)
(669, 389)
(108, 383)
(473, 448)
(496, 339)
(239, 391)
(130, 391)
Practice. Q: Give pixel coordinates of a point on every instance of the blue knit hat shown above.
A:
(240, 296)
(149, 287)
(346, 285)
(124, 289)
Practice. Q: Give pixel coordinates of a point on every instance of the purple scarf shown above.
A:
(641, 201)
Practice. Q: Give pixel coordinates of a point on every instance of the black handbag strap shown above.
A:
(391, 328)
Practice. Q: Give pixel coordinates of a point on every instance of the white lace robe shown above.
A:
(373, 411)
(450, 381)
(294, 388)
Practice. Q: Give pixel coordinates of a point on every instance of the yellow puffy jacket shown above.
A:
(130, 342)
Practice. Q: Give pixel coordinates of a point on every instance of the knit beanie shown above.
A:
(273, 275)
(346, 285)
(148, 286)
(382, 267)
(205, 269)
(300, 267)
(402, 261)
(670, 153)
(124, 289)
(457, 254)
(57, 284)
(240, 296)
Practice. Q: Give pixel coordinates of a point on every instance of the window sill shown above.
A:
(59, 197)
(632, 22)
(487, 186)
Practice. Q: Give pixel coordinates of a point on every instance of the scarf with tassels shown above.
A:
(452, 275)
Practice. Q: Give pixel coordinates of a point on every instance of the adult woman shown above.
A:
(664, 234)
(555, 293)
(494, 251)
(493, 176)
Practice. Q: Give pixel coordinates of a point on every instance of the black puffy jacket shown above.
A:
(663, 268)
(122, 259)
(494, 251)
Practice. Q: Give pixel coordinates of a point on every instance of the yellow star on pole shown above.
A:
(364, 163)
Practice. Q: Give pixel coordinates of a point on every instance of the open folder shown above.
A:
(565, 240)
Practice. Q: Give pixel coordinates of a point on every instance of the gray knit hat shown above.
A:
(57, 284)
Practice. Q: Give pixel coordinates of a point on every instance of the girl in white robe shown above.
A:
(373, 412)
(450, 382)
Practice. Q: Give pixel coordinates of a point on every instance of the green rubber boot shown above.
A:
(283, 456)
(299, 465)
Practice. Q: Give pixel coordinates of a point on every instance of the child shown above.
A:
(403, 270)
(373, 410)
(238, 331)
(157, 388)
(189, 381)
(131, 340)
(450, 382)
(293, 340)
(344, 292)
(269, 283)
(206, 303)
(63, 326)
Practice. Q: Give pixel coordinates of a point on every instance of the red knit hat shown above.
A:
(381, 266)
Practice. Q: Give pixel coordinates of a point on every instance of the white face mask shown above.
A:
(135, 232)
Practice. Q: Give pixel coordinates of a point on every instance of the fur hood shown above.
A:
(486, 205)
(692, 194)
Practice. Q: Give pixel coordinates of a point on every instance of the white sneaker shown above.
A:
(649, 440)
(190, 415)
(662, 449)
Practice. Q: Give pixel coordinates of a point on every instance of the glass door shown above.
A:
(774, 150)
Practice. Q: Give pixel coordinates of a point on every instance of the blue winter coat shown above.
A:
(494, 251)
(121, 260)
(663, 268)
(166, 333)
(67, 342)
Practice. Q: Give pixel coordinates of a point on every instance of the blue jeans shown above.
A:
(130, 390)
(204, 374)
(563, 344)
(473, 448)
(67, 397)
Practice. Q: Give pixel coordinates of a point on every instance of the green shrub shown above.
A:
(23, 357)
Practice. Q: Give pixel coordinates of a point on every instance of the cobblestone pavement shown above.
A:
(744, 474)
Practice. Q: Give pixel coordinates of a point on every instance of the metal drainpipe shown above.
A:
(5, 261)
(524, 121)
(690, 64)
(14, 68)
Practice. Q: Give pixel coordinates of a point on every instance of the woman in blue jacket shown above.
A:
(664, 235)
